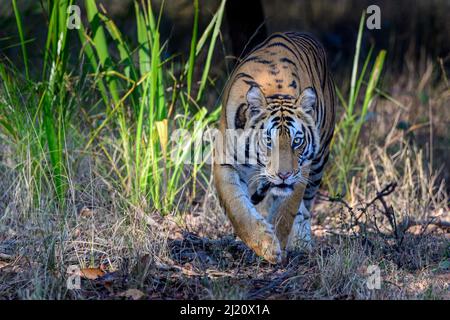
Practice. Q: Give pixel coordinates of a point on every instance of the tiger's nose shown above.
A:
(284, 175)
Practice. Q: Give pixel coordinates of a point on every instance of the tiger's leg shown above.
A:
(249, 225)
(300, 236)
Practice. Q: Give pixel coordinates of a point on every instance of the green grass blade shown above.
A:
(193, 47)
(101, 45)
(124, 51)
(351, 100)
(143, 41)
(88, 50)
(363, 72)
(22, 37)
(212, 44)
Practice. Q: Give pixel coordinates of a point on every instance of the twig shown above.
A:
(387, 211)
(408, 223)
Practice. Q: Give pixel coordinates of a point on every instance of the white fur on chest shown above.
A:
(269, 205)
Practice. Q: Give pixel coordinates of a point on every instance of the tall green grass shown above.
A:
(149, 176)
(17, 117)
(50, 113)
(139, 94)
(345, 148)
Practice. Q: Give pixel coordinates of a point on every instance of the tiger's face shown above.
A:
(287, 140)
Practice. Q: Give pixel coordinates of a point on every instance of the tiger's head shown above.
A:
(288, 138)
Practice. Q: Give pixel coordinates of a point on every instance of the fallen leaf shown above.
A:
(91, 273)
(86, 212)
(76, 233)
(3, 264)
(134, 294)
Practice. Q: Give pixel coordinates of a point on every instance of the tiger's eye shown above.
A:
(296, 142)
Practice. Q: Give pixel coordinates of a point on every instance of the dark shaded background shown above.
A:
(413, 28)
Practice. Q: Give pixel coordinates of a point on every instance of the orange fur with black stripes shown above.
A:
(279, 105)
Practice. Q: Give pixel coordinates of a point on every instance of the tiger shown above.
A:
(275, 128)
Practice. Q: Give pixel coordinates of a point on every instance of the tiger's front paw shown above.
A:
(270, 248)
(266, 243)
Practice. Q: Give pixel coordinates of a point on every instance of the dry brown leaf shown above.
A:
(76, 233)
(86, 212)
(134, 294)
(91, 273)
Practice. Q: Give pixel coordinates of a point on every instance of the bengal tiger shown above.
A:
(277, 121)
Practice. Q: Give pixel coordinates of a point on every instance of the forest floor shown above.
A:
(394, 220)
(196, 256)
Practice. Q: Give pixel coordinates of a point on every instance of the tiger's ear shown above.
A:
(307, 100)
(256, 100)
